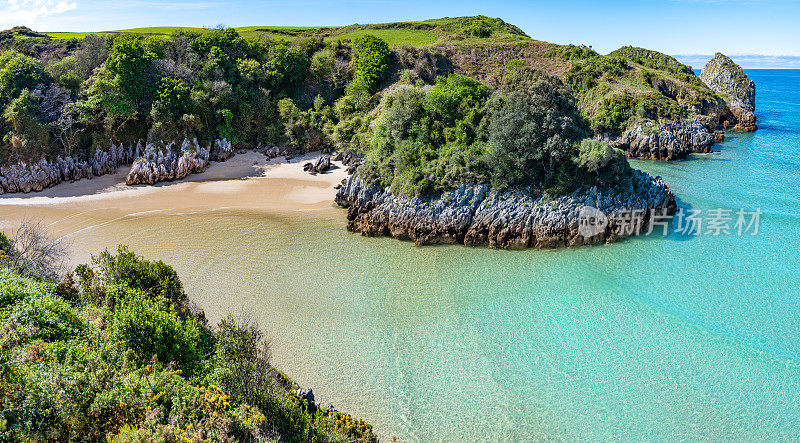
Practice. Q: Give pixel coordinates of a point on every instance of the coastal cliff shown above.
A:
(475, 215)
(728, 79)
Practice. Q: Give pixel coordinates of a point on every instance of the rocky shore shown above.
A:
(727, 79)
(665, 142)
(475, 215)
(166, 164)
(23, 177)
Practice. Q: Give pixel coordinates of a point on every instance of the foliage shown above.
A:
(605, 165)
(652, 59)
(372, 56)
(17, 73)
(584, 73)
(151, 329)
(431, 139)
(136, 369)
(533, 128)
(154, 279)
(616, 112)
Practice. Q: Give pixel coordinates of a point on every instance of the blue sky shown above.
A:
(671, 26)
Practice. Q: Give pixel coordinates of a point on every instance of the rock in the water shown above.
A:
(727, 79)
(473, 215)
(665, 142)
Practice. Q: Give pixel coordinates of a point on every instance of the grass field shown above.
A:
(423, 33)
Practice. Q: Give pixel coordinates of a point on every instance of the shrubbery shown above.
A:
(372, 57)
(429, 139)
(584, 73)
(116, 361)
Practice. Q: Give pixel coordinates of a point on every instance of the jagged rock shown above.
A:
(665, 142)
(35, 177)
(221, 150)
(473, 215)
(322, 165)
(727, 79)
(306, 396)
(164, 164)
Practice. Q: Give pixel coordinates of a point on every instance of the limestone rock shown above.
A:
(160, 164)
(35, 177)
(665, 142)
(473, 215)
(320, 166)
(727, 79)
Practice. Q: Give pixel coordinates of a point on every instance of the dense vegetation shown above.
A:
(118, 355)
(425, 119)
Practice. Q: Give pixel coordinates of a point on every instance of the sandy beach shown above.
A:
(246, 180)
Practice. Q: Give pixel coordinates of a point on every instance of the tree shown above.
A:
(130, 63)
(372, 58)
(534, 127)
(18, 72)
(30, 138)
(172, 104)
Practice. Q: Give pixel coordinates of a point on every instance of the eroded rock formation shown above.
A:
(665, 142)
(474, 215)
(165, 164)
(727, 79)
(35, 177)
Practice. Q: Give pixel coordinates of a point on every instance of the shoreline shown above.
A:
(297, 190)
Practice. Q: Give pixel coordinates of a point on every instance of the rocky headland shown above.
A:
(476, 215)
(727, 79)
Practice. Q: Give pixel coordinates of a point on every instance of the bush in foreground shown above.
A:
(119, 360)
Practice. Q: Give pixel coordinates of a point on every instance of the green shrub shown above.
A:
(372, 58)
(18, 72)
(534, 125)
(614, 112)
(149, 327)
(48, 318)
(584, 74)
(602, 164)
(153, 278)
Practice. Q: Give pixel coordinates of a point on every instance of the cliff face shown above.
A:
(473, 215)
(728, 79)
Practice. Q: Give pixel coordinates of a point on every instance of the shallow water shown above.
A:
(679, 338)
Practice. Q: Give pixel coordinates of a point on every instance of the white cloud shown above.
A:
(28, 12)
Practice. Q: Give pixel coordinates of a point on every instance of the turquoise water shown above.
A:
(676, 338)
(687, 337)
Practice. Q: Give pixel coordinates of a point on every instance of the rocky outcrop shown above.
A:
(35, 177)
(727, 79)
(665, 142)
(321, 166)
(165, 164)
(474, 215)
(220, 150)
